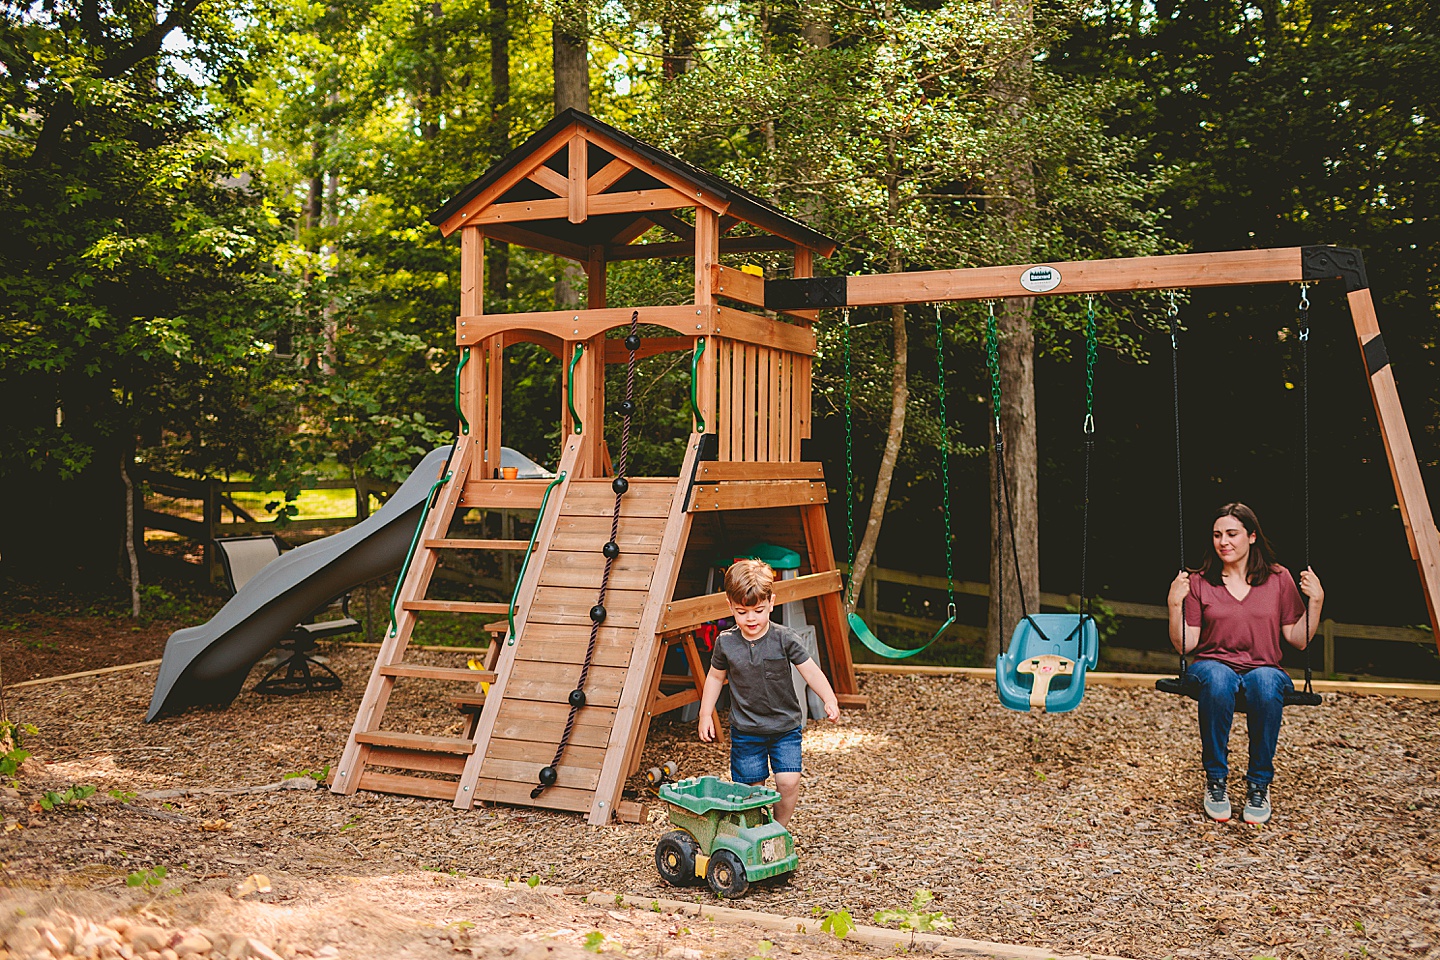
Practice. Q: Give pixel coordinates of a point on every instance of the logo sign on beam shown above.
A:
(1040, 279)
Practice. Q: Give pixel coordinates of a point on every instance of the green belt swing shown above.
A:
(857, 624)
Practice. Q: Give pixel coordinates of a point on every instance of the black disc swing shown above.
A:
(857, 624)
(1185, 683)
(1053, 649)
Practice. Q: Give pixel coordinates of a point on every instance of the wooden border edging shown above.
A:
(40, 681)
(1418, 691)
(886, 939)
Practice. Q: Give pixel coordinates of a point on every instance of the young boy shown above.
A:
(764, 711)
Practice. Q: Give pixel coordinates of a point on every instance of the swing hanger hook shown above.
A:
(1173, 310)
(1304, 312)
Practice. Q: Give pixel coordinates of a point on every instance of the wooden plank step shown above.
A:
(408, 786)
(423, 672)
(418, 760)
(637, 534)
(469, 700)
(455, 606)
(416, 741)
(503, 494)
(462, 544)
(738, 495)
(518, 794)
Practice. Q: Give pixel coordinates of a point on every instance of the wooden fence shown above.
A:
(869, 608)
(221, 516)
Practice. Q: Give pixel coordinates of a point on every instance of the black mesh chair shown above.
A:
(297, 670)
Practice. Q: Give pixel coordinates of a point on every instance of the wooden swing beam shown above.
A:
(1310, 264)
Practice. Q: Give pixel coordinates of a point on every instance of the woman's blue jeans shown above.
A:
(1265, 689)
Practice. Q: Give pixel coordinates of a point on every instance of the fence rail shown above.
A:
(869, 608)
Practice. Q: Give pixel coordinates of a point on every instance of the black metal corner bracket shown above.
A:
(1327, 263)
(1377, 358)
(811, 293)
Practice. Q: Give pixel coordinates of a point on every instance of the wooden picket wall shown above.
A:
(765, 392)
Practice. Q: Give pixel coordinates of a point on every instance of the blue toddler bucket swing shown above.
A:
(1044, 667)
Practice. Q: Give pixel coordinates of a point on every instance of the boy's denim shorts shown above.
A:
(754, 755)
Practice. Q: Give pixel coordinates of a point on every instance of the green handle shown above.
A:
(525, 561)
(410, 555)
(464, 424)
(694, 391)
(570, 387)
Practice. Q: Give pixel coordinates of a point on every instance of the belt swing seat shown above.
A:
(1185, 683)
(1049, 654)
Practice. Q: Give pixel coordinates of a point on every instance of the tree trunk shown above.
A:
(572, 91)
(497, 254)
(130, 553)
(1014, 206)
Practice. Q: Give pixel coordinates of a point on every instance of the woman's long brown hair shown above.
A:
(1262, 560)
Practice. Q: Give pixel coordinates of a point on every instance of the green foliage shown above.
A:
(122, 796)
(68, 800)
(12, 753)
(148, 878)
(916, 918)
(319, 775)
(533, 881)
(762, 950)
(594, 941)
(837, 922)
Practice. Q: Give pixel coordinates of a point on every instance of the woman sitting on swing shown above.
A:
(1232, 614)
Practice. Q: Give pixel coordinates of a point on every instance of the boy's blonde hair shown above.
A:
(749, 582)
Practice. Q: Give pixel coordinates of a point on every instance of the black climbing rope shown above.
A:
(611, 550)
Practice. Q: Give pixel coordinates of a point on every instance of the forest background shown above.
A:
(218, 261)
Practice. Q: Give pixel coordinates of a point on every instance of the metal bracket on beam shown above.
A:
(811, 293)
(1327, 263)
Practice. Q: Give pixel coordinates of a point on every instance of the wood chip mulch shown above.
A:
(1079, 832)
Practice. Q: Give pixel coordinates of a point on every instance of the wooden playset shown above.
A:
(615, 574)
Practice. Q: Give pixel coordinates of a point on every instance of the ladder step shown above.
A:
(418, 761)
(422, 672)
(456, 606)
(415, 741)
(498, 626)
(408, 786)
(471, 700)
(477, 544)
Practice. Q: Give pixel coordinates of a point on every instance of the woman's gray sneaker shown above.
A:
(1257, 804)
(1217, 801)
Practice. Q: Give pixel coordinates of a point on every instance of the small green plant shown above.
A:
(12, 754)
(594, 941)
(839, 922)
(654, 906)
(1359, 926)
(762, 951)
(916, 919)
(122, 796)
(150, 878)
(619, 899)
(317, 775)
(72, 798)
(533, 881)
(350, 823)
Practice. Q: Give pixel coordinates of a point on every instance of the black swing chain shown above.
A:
(849, 468)
(1088, 430)
(1002, 494)
(1172, 317)
(1303, 322)
(611, 550)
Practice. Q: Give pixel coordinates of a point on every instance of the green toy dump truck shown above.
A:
(726, 835)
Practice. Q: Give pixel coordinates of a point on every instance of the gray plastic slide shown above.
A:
(207, 664)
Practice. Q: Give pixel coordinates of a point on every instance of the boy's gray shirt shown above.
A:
(762, 693)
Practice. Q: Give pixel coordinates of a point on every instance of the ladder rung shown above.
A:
(456, 606)
(468, 700)
(415, 741)
(477, 544)
(422, 672)
(407, 786)
(499, 626)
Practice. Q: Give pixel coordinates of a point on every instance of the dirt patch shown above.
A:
(1079, 833)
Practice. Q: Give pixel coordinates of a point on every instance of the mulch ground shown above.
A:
(1079, 832)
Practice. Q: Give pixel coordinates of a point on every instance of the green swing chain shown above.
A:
(1092, 348)
(849, 469)
(945, 467)
(992, 362)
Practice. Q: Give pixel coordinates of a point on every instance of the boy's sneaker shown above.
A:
(1217, 801)
(1257, 804)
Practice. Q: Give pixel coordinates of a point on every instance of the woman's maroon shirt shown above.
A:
(1243, 633)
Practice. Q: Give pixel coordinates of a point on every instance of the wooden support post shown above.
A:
(493, 354)
(832, 611)
(803, 268)
(707, 255)
(1327, 633)
(579, 193)
(1404, 468)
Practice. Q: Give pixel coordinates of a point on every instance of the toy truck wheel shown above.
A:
(671, 769)
(654, 776)
(726, 875)
(675, 858)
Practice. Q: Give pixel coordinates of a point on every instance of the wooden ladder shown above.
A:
(423, 758)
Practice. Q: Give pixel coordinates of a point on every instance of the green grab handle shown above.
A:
(694, 375)
(878, 646)
(525, 561)
(410, 554)
(570, 388)
(459, 411)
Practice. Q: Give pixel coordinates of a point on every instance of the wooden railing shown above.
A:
(868, 606)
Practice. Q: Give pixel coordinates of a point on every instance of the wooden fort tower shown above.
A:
(583, 190)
